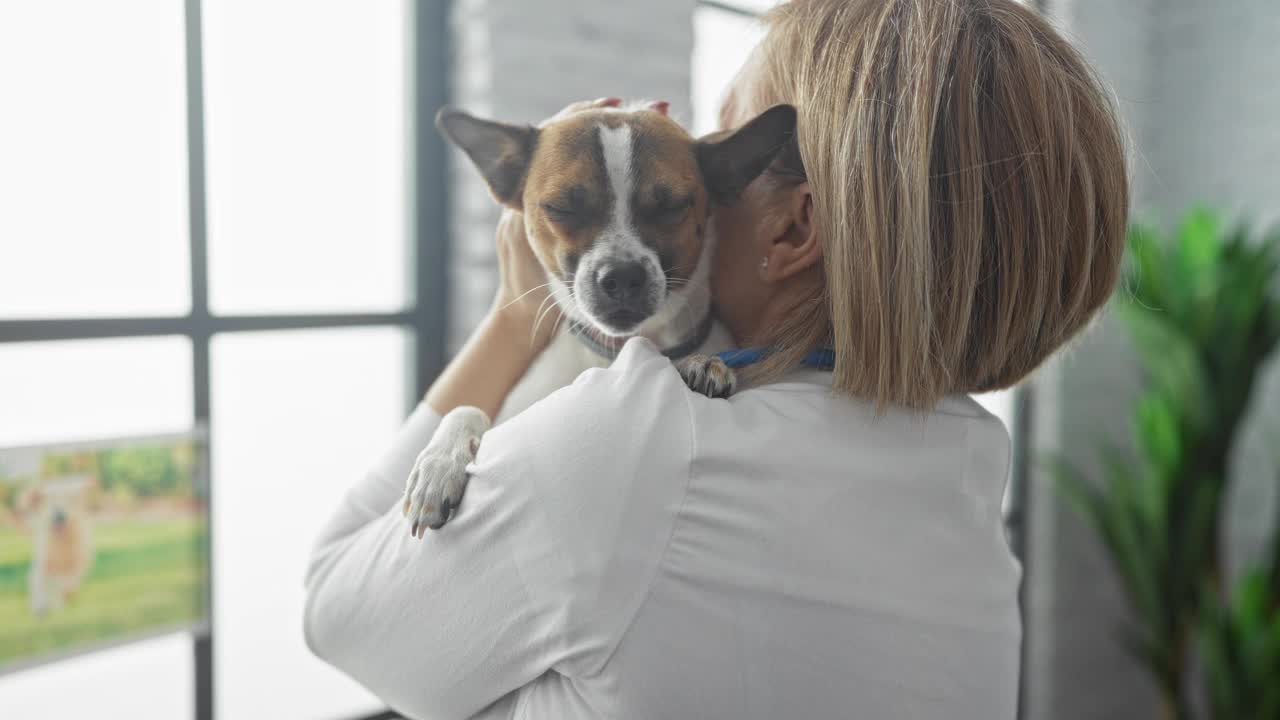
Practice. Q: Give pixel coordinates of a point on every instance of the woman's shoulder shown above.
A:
(636, 401)
(593, 477)
(617, 432)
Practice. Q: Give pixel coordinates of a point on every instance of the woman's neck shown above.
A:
(793, 305)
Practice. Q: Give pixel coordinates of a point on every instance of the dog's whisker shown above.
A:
(541, 316)
(524, 294)
(543, 308)
(679, 268)
(537, 319)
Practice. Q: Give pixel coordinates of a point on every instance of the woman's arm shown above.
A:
(365, 541)
(494, 358)
(566, 517)
(508, 338)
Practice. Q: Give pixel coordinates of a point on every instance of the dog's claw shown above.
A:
(708, 375)
(435, 487)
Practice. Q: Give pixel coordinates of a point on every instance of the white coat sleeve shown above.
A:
(565, 519)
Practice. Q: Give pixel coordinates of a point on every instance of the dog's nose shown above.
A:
(623, 283)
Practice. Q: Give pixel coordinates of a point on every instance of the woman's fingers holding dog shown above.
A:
(571, 108)
(524, 295)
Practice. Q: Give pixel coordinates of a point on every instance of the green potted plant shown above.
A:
(1201, 311)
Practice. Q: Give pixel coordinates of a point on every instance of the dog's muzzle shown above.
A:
(623, 295)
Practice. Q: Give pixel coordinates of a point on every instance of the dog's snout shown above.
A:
(625, 283)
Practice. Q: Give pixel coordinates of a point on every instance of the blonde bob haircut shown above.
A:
(969, 189)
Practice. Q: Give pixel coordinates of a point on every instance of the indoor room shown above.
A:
(368, 359)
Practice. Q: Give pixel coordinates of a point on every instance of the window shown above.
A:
(221, 214)
(95, 162)
(305, 147)
(723, 37)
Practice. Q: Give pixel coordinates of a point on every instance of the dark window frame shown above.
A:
(428, 235)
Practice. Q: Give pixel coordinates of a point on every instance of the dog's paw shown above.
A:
(708, 375)
(434, 488)
(439, 475)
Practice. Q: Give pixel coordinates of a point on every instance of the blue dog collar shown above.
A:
(824, 359)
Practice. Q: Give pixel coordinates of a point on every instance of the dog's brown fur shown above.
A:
(671, 203)
(644, 264)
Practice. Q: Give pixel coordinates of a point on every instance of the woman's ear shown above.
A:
(795, 245)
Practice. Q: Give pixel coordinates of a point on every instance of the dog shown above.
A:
(615, 203)
(56, 515)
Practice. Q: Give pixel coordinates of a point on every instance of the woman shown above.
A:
(823, 544)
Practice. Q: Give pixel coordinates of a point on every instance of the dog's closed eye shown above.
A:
(561, 214)
(669, 213)
(571, 206)
(666, 207)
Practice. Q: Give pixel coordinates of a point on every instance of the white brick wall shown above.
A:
(1196, 82)
(520, 61)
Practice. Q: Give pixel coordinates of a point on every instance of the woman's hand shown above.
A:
(523, 303)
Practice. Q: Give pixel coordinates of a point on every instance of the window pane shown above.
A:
(305, 109)
(297, 418)
(150, 680)
(84, 389)
(94, 169)
(722, 41)
(87, 389)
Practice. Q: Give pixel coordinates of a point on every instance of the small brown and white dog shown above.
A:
(55, 513)
(616, 203)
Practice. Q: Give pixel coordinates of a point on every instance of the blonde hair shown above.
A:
(969, 187)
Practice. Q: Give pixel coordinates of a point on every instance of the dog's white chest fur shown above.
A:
(559, 365)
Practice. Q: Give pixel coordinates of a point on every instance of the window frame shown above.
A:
(427, 238)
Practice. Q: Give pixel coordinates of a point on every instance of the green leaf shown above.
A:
(1124, 524)
(1201, 308)
(1156, 429)
(1170, 362)
(1239, 643)
(1193, 280)
(1198, 242)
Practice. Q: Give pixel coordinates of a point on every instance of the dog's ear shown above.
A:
(501, 152)
(731, 160)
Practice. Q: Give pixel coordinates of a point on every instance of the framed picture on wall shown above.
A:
(101, 543)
